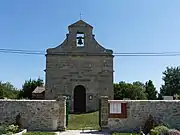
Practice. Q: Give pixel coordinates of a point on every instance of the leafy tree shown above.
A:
(8, 90)
(137, 92)
(117, 91)
(171, 78)
(29, 86)
(150, 90)
(160, 97)
(139, 84)
(1, 93)
(134, 91)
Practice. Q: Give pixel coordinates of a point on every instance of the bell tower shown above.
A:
(80, 33)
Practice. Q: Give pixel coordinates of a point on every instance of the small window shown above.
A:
(115, 108)
(80, 39)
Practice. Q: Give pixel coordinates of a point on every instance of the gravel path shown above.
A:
(80, 132)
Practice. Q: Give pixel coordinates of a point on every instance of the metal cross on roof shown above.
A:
(81, 16)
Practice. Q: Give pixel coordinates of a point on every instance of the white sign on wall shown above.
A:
(115, 108)
(168, 97)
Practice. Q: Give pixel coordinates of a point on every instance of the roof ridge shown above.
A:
(80, 22)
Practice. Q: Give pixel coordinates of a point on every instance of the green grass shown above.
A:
(39, 133)
(84, 121)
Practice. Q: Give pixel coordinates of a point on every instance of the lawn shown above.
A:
(84, 121)
(38, 133)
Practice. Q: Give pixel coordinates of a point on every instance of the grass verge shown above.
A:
(83, 121)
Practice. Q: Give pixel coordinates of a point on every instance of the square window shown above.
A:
(115, 108)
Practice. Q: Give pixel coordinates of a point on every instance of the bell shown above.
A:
(80, 41)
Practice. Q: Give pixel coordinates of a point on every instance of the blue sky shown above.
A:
(121, 25)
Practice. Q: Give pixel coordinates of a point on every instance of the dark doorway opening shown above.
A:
(79, 99)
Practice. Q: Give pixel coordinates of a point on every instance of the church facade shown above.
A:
(79, 68)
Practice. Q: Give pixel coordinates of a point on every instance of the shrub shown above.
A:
(12, 128)
(18, 121)
(149, 124)
(173, 132)
(8, 130)
(2, 130)
(159, 130)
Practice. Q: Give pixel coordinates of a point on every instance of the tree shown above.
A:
(171, 78)
(134, 91)
(150, 90)
(160, 97)
(139, 84)
(117, 91)
(1, 93)
(29, 86)
(7, 90)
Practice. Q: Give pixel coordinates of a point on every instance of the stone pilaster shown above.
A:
(62, 113)
(104, 112)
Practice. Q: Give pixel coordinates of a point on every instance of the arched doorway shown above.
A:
(79, 99)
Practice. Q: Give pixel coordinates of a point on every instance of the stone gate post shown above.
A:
(62, 113)
(104, 112)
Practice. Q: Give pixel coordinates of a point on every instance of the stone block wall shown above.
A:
(94, 73)
(35, 114)
(138, 111)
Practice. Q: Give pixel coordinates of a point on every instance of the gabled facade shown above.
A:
(79, 68)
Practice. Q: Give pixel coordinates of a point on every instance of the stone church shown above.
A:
(79, 68)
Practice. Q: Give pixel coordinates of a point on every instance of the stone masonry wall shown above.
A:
(168, 112)
(64, 73)
(35, 114)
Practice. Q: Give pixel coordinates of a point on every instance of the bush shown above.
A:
(2, 130)
(149, 124)
(12, 129)
(173, 132)
(18, 121)
(159, 130)
(8, 130)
